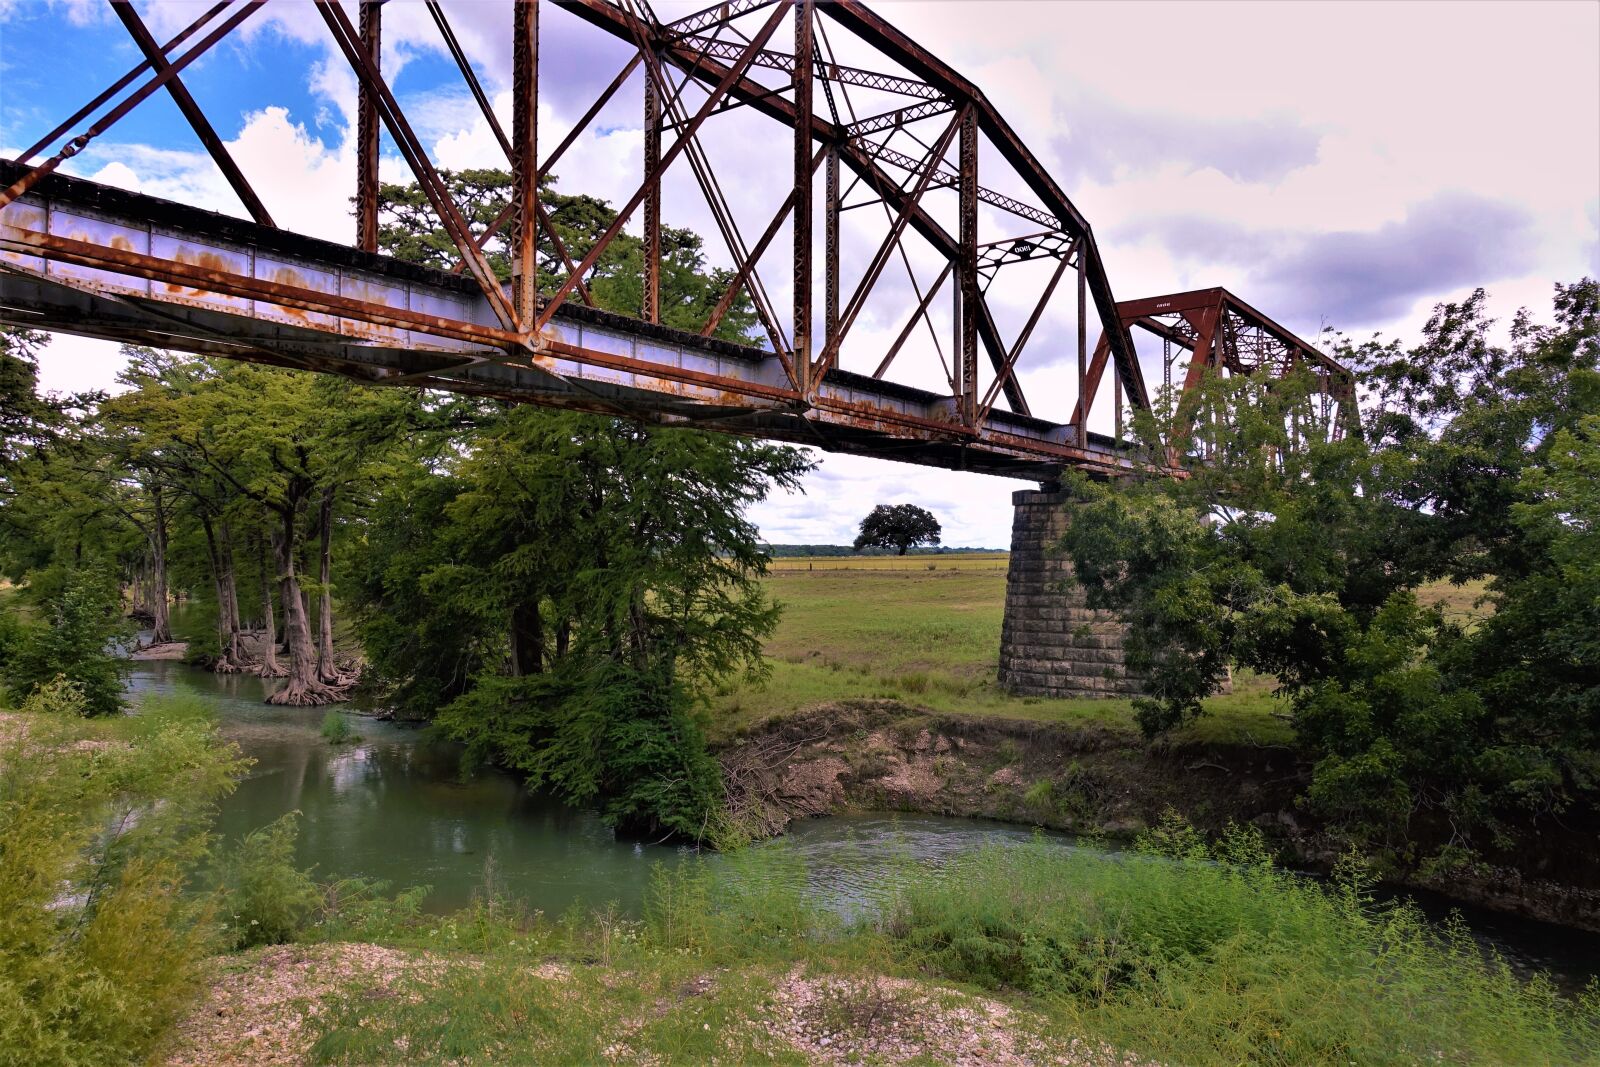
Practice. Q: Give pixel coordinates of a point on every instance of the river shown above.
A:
(392, 806)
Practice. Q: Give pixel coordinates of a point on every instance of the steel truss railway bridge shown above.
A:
(877, 146)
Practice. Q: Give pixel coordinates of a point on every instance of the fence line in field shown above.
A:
(792, 566)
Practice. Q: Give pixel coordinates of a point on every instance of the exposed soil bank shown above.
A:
(884, 755)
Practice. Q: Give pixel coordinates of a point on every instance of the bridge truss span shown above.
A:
(900, 295)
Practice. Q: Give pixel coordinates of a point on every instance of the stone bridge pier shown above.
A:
(1051, 644)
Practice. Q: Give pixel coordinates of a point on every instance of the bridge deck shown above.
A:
(85, 258)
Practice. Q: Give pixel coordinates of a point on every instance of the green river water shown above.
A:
(392, 806)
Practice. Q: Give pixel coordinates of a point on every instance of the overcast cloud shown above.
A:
(1331, 163)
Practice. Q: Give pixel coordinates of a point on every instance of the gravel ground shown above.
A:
(839, 1020)
(259, 1002)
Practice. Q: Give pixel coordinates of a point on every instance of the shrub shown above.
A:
(1210, 955)
(100, 827)
(75, 638)
(266, 899)
(336, 729)
(61, 696)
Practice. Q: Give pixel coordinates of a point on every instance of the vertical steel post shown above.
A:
(651, 310)
(367, 129)
(967, 267)
(1116, 396)
(800, 79)
(830, 267)
(1083, 354)
(525, 158)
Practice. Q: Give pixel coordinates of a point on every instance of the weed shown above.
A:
(336, 729)
(101, 823)
(1199, 954)
(266, 898)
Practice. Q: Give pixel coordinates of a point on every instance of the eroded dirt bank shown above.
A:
(884, 755)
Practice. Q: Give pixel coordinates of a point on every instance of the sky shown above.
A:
(1343, 165)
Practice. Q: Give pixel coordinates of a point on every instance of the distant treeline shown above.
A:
(781, 551)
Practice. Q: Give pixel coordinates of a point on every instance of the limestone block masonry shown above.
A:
(1051, 645)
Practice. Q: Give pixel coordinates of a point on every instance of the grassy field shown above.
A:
(874, 628)
(926, 630)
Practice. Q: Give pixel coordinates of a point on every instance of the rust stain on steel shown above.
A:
(170, 271)
(669, 373)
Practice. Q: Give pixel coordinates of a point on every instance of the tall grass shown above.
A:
(1182, 953)
(101, 827)
(1203, 955)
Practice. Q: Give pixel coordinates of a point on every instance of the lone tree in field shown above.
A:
(897, 526)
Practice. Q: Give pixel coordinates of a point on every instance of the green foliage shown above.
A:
(897, 526)
(1298, 558)
(100, 827)
(264, 898)
(1197, 954)
(1183, 952)
(73, 640)
(578, 585)
(336, 729)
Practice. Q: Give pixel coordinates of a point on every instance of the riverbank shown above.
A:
(1094, 779)
(1028, 949)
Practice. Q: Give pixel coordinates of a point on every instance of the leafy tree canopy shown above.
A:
(1299, 558)
(897, 526)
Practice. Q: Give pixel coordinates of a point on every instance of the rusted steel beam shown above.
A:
(711, 189)
(1022, 342)
(121, 83)
(524, 151)
(742, 272)
(191, 111)
(830, 355)
(226, 283)
(1083, 347)
(966, 355)
(367, 131)
(620, 24)
(878, 32)
(833, 72)
(830, 248)
(899, 117)
(416, 157)
(651, 299)
(713, 16)
(160, 78)
(1091, 386)
(920, 313)
(726, 82)
(800, 82)
(1204, 320)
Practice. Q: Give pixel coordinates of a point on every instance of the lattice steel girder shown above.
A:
(894, 44)
(1210, 322)
(899, 117)
(1133, 311)
(709, 70)
(715, 15)
(772, 59)
(83, 258)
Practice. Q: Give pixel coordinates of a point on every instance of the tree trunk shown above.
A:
(227, 661)
(327, 670)
(162, 625)
(270, 667)
(232, 651)
(527, 638)
(303, 687)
